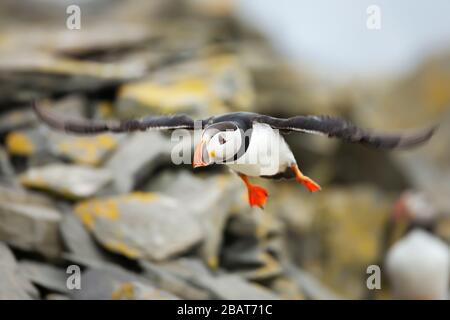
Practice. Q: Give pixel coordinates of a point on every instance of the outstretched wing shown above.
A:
(85, 126)
(345, 130)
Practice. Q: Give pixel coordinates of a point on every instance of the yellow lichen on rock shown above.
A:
(19, 144)
(436, 90)
(105, 109)
(170, 97)
(86, 150)
(213, 85)
(213, 262)
(35, 182)
(122, 248)
(124, 292)
(89, 210)
(142, 196)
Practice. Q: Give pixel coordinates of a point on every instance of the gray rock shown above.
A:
(56, 296)
(218, 285)
(209, 200)
(12, 284)
(45, 275)
(38, 74)
(78, 182)
(250, 260)
(81, 245)
(72, 105)
(231, 287)
(139, 291)
(21, 196)
(84, 150)
(141, 225)
(171, 282)
(7, 259)
(310, 285)
(254, 224)
(82, 261)
(243, 253)
(27, 223)
(208, 85)
(26, 142)
(187, 267)
(286, 288)
(7, 174)
(101, 283)
(16, 119)
(136, 157)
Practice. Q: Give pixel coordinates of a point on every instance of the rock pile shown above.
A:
(140, 227)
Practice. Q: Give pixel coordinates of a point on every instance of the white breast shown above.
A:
(266, 155)
(418, 267)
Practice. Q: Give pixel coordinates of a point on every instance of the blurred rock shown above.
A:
(72, 105)
(139, 291)
(251, 250)
(326, 247)
(79, 181)
(16, 119)
(218, 285)
(136, 157)
(28, 223)
(427, 167)
(56, 296)
(141, 225)
(7, 172)
(283, 91)
(418, 99)
(26, 142)
(202, 87)
(8, 195)
(250, 260)
(287, 289)
(13, 285)
(103, 283)
(208, 199)
(44, 275)
(81, 245)
(27, 76)
(232, 287)
(310, 285)
(253, 223)
(172, 282)
(83, 150)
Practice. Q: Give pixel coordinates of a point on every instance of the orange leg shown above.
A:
(257, 195)
(306, 181)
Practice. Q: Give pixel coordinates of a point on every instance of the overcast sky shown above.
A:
(332, 34)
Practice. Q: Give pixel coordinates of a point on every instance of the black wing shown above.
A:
(345, 130)
(85, 126)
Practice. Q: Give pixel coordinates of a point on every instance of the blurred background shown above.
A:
(141, 227)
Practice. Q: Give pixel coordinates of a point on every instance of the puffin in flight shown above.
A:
(251, 144)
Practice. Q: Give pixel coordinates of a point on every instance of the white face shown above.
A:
(223, 145)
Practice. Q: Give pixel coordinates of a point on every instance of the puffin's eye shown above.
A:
(222, 139)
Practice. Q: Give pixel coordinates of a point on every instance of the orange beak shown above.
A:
(400, 211)
(198, 156)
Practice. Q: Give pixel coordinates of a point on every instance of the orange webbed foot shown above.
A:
(310, 184)
(257, 196)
